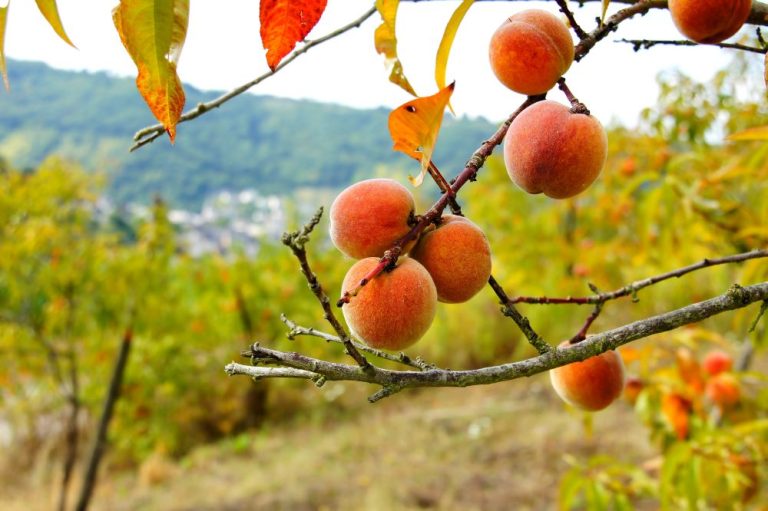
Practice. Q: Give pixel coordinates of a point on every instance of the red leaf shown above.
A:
(286, 22)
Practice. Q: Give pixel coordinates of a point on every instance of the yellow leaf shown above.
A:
(414, 127)
(441, 62)
(606, 3)
(50, 11)
(386, 43)
(765, 67)
(3, 70)
(153, 33)
(758, 133)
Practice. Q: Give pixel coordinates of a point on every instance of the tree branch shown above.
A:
(644, 44)
(291, 364)
(150, 133)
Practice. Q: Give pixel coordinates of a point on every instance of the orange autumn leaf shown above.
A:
(415, 125)
(677, 410)
(50, 11)
(153, 33)
(689, 370)
(285, 23)
(3, 70)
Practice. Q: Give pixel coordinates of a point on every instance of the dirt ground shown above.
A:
(504, 446)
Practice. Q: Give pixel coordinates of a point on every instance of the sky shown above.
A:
(223, 51)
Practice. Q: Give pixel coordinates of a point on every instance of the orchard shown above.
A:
(628, 266)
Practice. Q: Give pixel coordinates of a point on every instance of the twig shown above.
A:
(402, 358)
(509, 310)
(634, 287)
(644, 44)
(392, 381)
(150, 133)
(296, 242)
(563, 5)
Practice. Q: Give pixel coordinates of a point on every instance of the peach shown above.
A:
(709, 21)
(591, 384)
(457, 256)
(368, 217)
(530, 51)
(549, 149)
(394, 309)
(723, 390)
(716, 362)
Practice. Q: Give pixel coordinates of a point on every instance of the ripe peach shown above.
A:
(393, 310)
(530, 51)
(592, 384)
(709, 21)
(723, 390)
(716, 362)
(457, 256)
(552, 150)
(368, 217)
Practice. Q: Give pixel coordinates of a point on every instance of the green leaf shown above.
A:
(50, 11)
(153, 33)
(444, 50)
(386, 43)
(3, 70)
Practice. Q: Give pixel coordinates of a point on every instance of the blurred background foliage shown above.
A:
(71, 282)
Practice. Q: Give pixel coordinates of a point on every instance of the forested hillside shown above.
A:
(261, 142)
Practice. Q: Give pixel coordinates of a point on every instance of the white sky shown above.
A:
(223, 50)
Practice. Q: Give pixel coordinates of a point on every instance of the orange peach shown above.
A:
(709, 21)
(457, 256)
(716, 362)
(368, 217)
(394, 309)
(723, 390)
(530, 51)
(549, 149)
(592, 384)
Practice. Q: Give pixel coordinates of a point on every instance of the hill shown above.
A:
(268, 143)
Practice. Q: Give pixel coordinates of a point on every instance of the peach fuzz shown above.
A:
(394, 309)
(530, 51)
(549, 149)
(368, 217)
(709, 21)
(457, 256)
(592, 384)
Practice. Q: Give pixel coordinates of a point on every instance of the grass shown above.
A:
(484, 448)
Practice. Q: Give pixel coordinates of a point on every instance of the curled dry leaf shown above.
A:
(153, 33)
(386, 43)
(285, 23)
(415, 125)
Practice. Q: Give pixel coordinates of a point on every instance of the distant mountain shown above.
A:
(261, 142)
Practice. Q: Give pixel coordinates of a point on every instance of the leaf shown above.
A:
(441, 62)
(286, 22)
(50, 11)
(757, 133)
(606, 3)
(386, 43)
(3, 70)
(153, 33)
(676, 408)
(414, 127)
(765, 72)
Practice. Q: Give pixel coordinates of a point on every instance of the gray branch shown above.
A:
(292, 364)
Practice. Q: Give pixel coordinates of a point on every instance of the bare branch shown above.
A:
(644, 44)
(393, 381)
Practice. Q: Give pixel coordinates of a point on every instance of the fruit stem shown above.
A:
(577, 107)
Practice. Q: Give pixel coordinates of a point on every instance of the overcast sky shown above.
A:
(223, 51)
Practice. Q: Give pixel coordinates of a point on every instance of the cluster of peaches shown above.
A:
(549, 148)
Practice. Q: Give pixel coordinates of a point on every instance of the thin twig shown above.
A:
(401, 358)
(150, 133)
(644, 44)
(634, 287)
(563, 5)
(296, 241)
